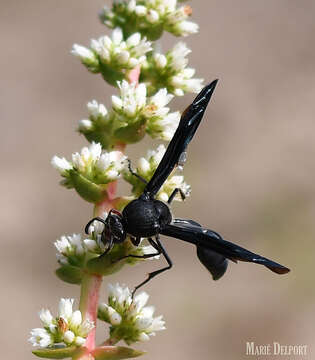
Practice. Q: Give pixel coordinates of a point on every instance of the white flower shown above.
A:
(132, 5)
(79, 341)
(160, 60)
(142, 14)
(177, 55)
(149, 250)
(180, 79)
(127, 53)
(84, 328)
(88, 155)
(143, 165)
(132, 98)
(83, 53)
(41, 337)
(76, 318)
(183, 81)
(85, 124)
(153, 16)
(69, 246)
(45, 317)
(146, 167)
(130, 319)
(186, 28)
(111, 160)
(140, 10)
(87, 57)
(95, 109)
(161, 123)
(119, 295)
(133, 104)
(140, 300)
(179, 14)
(76, 246)
(111, 313)
(65, 309)
(155, 156)
(97, 166)
(134, 40)
(68, 327)
(144, 337)
(68, 337)
(61, 164)
(91, 245)
(97, 226)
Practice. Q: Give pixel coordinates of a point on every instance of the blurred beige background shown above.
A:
(251, 167)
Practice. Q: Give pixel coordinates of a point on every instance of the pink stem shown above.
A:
(90, 289)
(134, 74)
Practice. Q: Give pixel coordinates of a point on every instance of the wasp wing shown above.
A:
(186, 129)
(189, 231)
(215, 263)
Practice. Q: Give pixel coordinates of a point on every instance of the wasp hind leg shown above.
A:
(159, 247)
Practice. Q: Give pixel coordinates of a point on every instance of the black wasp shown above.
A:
(147, 217)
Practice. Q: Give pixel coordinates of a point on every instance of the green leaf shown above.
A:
(88, 190)
(56, 353)
(131, 133)
(105, 265)
(70, 274)
(110, 74)
(115, 353)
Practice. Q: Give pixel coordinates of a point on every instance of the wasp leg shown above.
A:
(135, 174)
(174, 193)
(145, 256)
(109, 248)
(86, 229)
(135, 241)
(157, 272)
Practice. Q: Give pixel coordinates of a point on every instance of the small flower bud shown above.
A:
(140, 10)
(117, 36)
(68, 337)
(131, 5)
(45, 317)
(134, 39)
(117, 102)
(65, 308)
(143, 337)
(61, 164)
(79, 341)
(76, 318)
(83, 53)
(85, 124)
(186, 28)
(152, 16)
(160, 60)
(123, 57)
(143, 165)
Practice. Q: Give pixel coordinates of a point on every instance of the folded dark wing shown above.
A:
(187, 127)
(188, 231)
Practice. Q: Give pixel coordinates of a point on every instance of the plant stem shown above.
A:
(90, 289)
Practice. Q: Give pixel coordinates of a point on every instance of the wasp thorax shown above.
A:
(144, 218)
